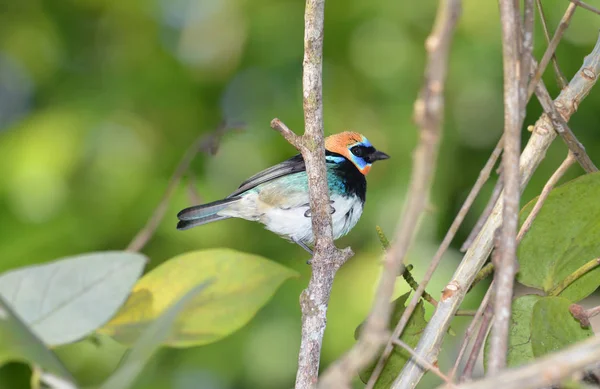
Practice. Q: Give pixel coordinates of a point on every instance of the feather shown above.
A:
(290, 166)
(202, 214)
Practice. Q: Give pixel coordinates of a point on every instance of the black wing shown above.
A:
(290, 166)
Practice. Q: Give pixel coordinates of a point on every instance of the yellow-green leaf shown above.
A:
(148, 342)
(242, 284)
(520, 350)
(563, 237)
(553, 327)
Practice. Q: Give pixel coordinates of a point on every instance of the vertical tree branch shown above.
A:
(506, 268)
(542, 136)
(429, 111)
(327, 259)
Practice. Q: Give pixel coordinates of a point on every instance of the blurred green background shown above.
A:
(99, 99)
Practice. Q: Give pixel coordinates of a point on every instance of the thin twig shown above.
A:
(524, 228)
(560, 30)
(560, 77)
(428, 114)
(525, 53)
(471, 330)
(482, 274)
(542, 136)
(586, 6)
(560, 125)
(506, 267)
(481, 180)
(544, 372)
(485, 215)
(327, 259)
(425, 363)
(556, 176)
(205, 142)
(486, 322)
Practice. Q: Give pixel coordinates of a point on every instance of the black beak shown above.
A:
(377, 156)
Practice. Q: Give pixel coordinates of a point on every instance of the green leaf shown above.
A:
(243, 284)
(563, 237)
(519, 337)
(149, 341)
(411, 335)
(65, 300)
(18, 343)
(553, 327)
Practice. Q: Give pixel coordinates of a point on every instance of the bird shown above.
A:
(278, 198)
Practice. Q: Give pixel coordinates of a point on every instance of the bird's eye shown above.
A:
(359, 151)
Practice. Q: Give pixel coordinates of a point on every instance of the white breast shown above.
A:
(292, 220)
(296, 224)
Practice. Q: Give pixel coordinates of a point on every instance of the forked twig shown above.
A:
(560, 77)
(560, 30)
(586, 6)
(429, 110)
(327, 259)
(481, 180)
(542, 136)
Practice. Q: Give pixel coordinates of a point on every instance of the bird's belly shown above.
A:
(296, 223)
(347, 213)
(291, 223)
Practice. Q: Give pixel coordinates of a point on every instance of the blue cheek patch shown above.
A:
(359, 162)
(334, 159)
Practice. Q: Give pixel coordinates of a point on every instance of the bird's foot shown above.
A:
(305, 247)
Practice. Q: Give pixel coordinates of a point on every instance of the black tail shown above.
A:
(202, 214)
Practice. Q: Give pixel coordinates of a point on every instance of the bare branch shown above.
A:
(288, 134)
(544, 372)
(560, 125)
(562, 27)
(425, 363)
(560, 77)
(539, 142)
(586, 6)
(506, 267)
(429, 110)
(525, 53)
(205, 142)
(481, 180)
(471, 330)
(487, 211)
(327, 259)
(486, 322)
(562, 169)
